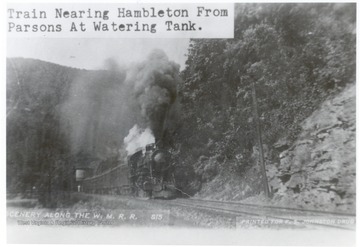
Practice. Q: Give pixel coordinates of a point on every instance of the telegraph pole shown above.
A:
(258, 132)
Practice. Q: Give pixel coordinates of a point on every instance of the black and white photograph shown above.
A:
(181, 123)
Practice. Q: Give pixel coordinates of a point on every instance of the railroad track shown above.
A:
(260, 214)
(254, 215)
(284, 209)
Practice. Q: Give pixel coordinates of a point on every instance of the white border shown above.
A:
(3, 97)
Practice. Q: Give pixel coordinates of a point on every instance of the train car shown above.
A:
(148, 173)
(114, 181)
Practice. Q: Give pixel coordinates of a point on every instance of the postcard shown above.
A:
(216, 123)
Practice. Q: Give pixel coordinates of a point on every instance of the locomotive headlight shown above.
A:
(160, 158)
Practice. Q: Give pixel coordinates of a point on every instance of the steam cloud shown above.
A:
(137, 139)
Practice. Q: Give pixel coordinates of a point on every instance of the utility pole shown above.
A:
(258, 130)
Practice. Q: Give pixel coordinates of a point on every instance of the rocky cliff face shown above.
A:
(319, 169)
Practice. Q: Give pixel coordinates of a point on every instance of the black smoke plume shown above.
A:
(154, 86)
(103, 106)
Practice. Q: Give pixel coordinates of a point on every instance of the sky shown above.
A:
(91, 53)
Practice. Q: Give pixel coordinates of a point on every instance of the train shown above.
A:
(147, 173)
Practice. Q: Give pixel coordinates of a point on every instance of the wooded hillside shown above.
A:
(297, 55)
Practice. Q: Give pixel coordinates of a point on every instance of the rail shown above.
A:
(275, 207)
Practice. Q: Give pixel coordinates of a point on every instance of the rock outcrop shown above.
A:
(319, 169)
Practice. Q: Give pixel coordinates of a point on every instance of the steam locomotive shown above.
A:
(148, 173)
